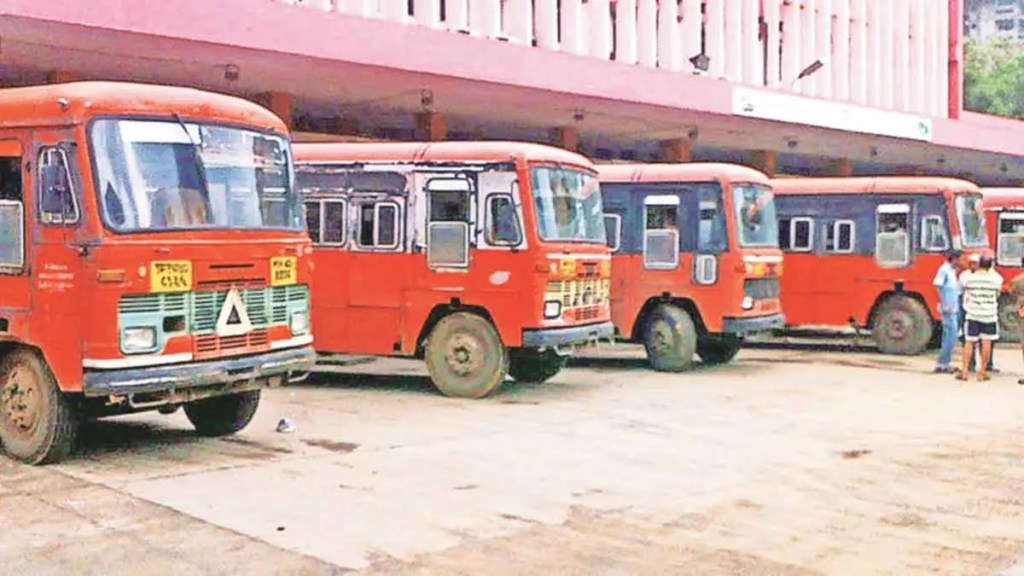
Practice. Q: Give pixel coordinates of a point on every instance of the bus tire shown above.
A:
(223, 415)
(902, 326)
(465, 356)
(1009, 322)
(670, 339)
(38, 422)
(717, 350)
(533, 366)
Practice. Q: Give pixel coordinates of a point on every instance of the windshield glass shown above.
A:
(755, 216)
(971, 216)
(155, 175)
(567, 204)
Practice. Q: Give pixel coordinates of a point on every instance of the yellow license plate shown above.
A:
(283, 270)
(170, 276)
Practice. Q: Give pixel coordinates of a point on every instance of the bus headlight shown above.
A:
(299, 323)
(748, 303)
(552, 309)
(134, 340)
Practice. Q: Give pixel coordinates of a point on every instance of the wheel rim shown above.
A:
(661, 336)
(20, 402)
(898, 326)
(464, 355)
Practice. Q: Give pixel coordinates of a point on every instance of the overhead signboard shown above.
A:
(781, 107)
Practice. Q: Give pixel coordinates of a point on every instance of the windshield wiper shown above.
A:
(196, 157)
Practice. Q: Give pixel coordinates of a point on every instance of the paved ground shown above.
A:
(785, 463)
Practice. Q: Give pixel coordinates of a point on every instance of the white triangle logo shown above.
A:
(233, 319)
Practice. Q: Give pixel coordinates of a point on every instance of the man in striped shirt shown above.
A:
(981, 314)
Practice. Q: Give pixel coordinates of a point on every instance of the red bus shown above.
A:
(862, 252)
(696, 262)
(1004, 208)
(152, 255)
(486, 259)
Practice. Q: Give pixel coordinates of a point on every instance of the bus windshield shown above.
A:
(755, 216)
(567, 203)
(155, 175)
(971, 217)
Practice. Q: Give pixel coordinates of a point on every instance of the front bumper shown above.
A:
(753, 325)
(243, 369)
(573, 335)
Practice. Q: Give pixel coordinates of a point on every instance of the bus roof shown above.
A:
(686, 172)
(77, 102)
(466, 151)
(996, 198)
(871, 185)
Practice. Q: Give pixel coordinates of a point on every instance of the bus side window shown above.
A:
(784, 225)
(1010, 240)
(57, 204)
(661, 234)
(801, 234)
(313, 221)
(892, 238)
(613, 231)
(378, 225)
(933, 234)
(12, 216)
(839, 237)
(333, 229)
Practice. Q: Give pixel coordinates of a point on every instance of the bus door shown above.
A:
(498, 229)
(1010, 239)
(15, 290)
(379, 272)
(59, 247)
(327, 219)
(616, 214)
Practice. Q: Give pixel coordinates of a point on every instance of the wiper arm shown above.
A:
(196, 157)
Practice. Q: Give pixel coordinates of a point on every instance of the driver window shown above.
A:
(57, 205)
(933, 234)
(892, 241)
(502, 221)
(12, 223)
(661, 236)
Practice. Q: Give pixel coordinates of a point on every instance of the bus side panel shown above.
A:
(501, 284)
(329, 304)
(376, 285)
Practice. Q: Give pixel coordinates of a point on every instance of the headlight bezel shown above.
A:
(303, 327)
(139, 340)
(556, 305)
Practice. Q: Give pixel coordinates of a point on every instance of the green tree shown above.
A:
(994, 77)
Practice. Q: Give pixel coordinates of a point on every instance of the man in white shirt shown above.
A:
(981, 314)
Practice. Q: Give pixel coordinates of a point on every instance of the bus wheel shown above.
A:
(38, 422)
(533, 366)
(223, 415)
(902, 326)
(1009, 322)
(715, 350)
(465, 356)
(670, 339)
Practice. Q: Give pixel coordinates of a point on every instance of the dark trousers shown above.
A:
(977, 349)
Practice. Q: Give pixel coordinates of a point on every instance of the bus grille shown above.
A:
(761, 288)
(582, 299)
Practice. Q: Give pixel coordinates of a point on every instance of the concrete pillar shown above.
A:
(62, 76)
(677, 150)
(431, 127)
(840, 167)
(763, 160)
(279, 103)
(567, 137)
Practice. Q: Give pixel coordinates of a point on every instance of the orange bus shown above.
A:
(862, 252)
(485, 258)
(1004, 208)
(152, 255)
(696, 263)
